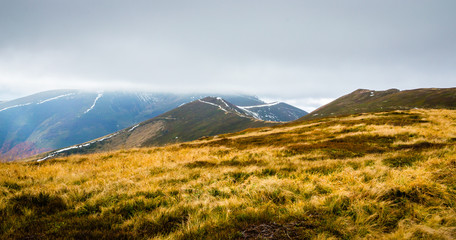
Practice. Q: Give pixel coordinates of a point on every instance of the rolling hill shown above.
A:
(387, 175)
(55, 119)
(204, 117)
(364, 100)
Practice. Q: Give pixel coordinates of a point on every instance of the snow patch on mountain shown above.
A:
(15, 106)
(94, 102)
(54, 98)
(262, 105)
(250, 113)
(213, 104)
(223, 101)
(55, 153)
(133, 128)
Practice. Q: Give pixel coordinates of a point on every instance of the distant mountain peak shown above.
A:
(275, 111)
(225, 106)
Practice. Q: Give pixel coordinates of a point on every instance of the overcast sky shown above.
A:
(302, 52)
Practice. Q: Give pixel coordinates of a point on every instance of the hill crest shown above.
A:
(365, 100)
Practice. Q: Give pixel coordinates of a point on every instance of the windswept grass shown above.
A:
(375, 176)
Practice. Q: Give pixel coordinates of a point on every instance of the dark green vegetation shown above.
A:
(366, 176)
(364, 100)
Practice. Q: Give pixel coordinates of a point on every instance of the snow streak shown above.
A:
(54, 98)
(133, 128)
(94, 102)
(40, 102)
(262, 105)
(15, 106)
(219, 98)
(213, 104)
(253, 114)
(53, 154)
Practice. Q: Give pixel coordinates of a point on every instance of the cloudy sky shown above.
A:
(302, 52)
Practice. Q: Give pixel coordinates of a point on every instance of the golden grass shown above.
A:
(370, 176)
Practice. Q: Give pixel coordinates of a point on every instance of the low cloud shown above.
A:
(304, 52)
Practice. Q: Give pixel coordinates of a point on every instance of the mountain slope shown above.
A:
(364, 100)
(56, 119)
(204, 117)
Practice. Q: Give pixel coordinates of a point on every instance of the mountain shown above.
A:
(204, 117)
(277, 112)
(55, 119)
(364, 100)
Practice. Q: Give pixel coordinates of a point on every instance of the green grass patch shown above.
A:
(239, 177)
(403, 160)
(166, 223)
(42, 203)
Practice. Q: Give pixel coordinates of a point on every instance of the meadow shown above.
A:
(389, 175)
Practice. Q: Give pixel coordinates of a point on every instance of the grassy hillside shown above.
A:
(364, 100)
(375, 176)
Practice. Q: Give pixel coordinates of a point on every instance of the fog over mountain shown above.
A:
(301, 52)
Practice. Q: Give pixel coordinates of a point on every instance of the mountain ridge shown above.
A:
(365, 100)
(201, 118)
(59, 118)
